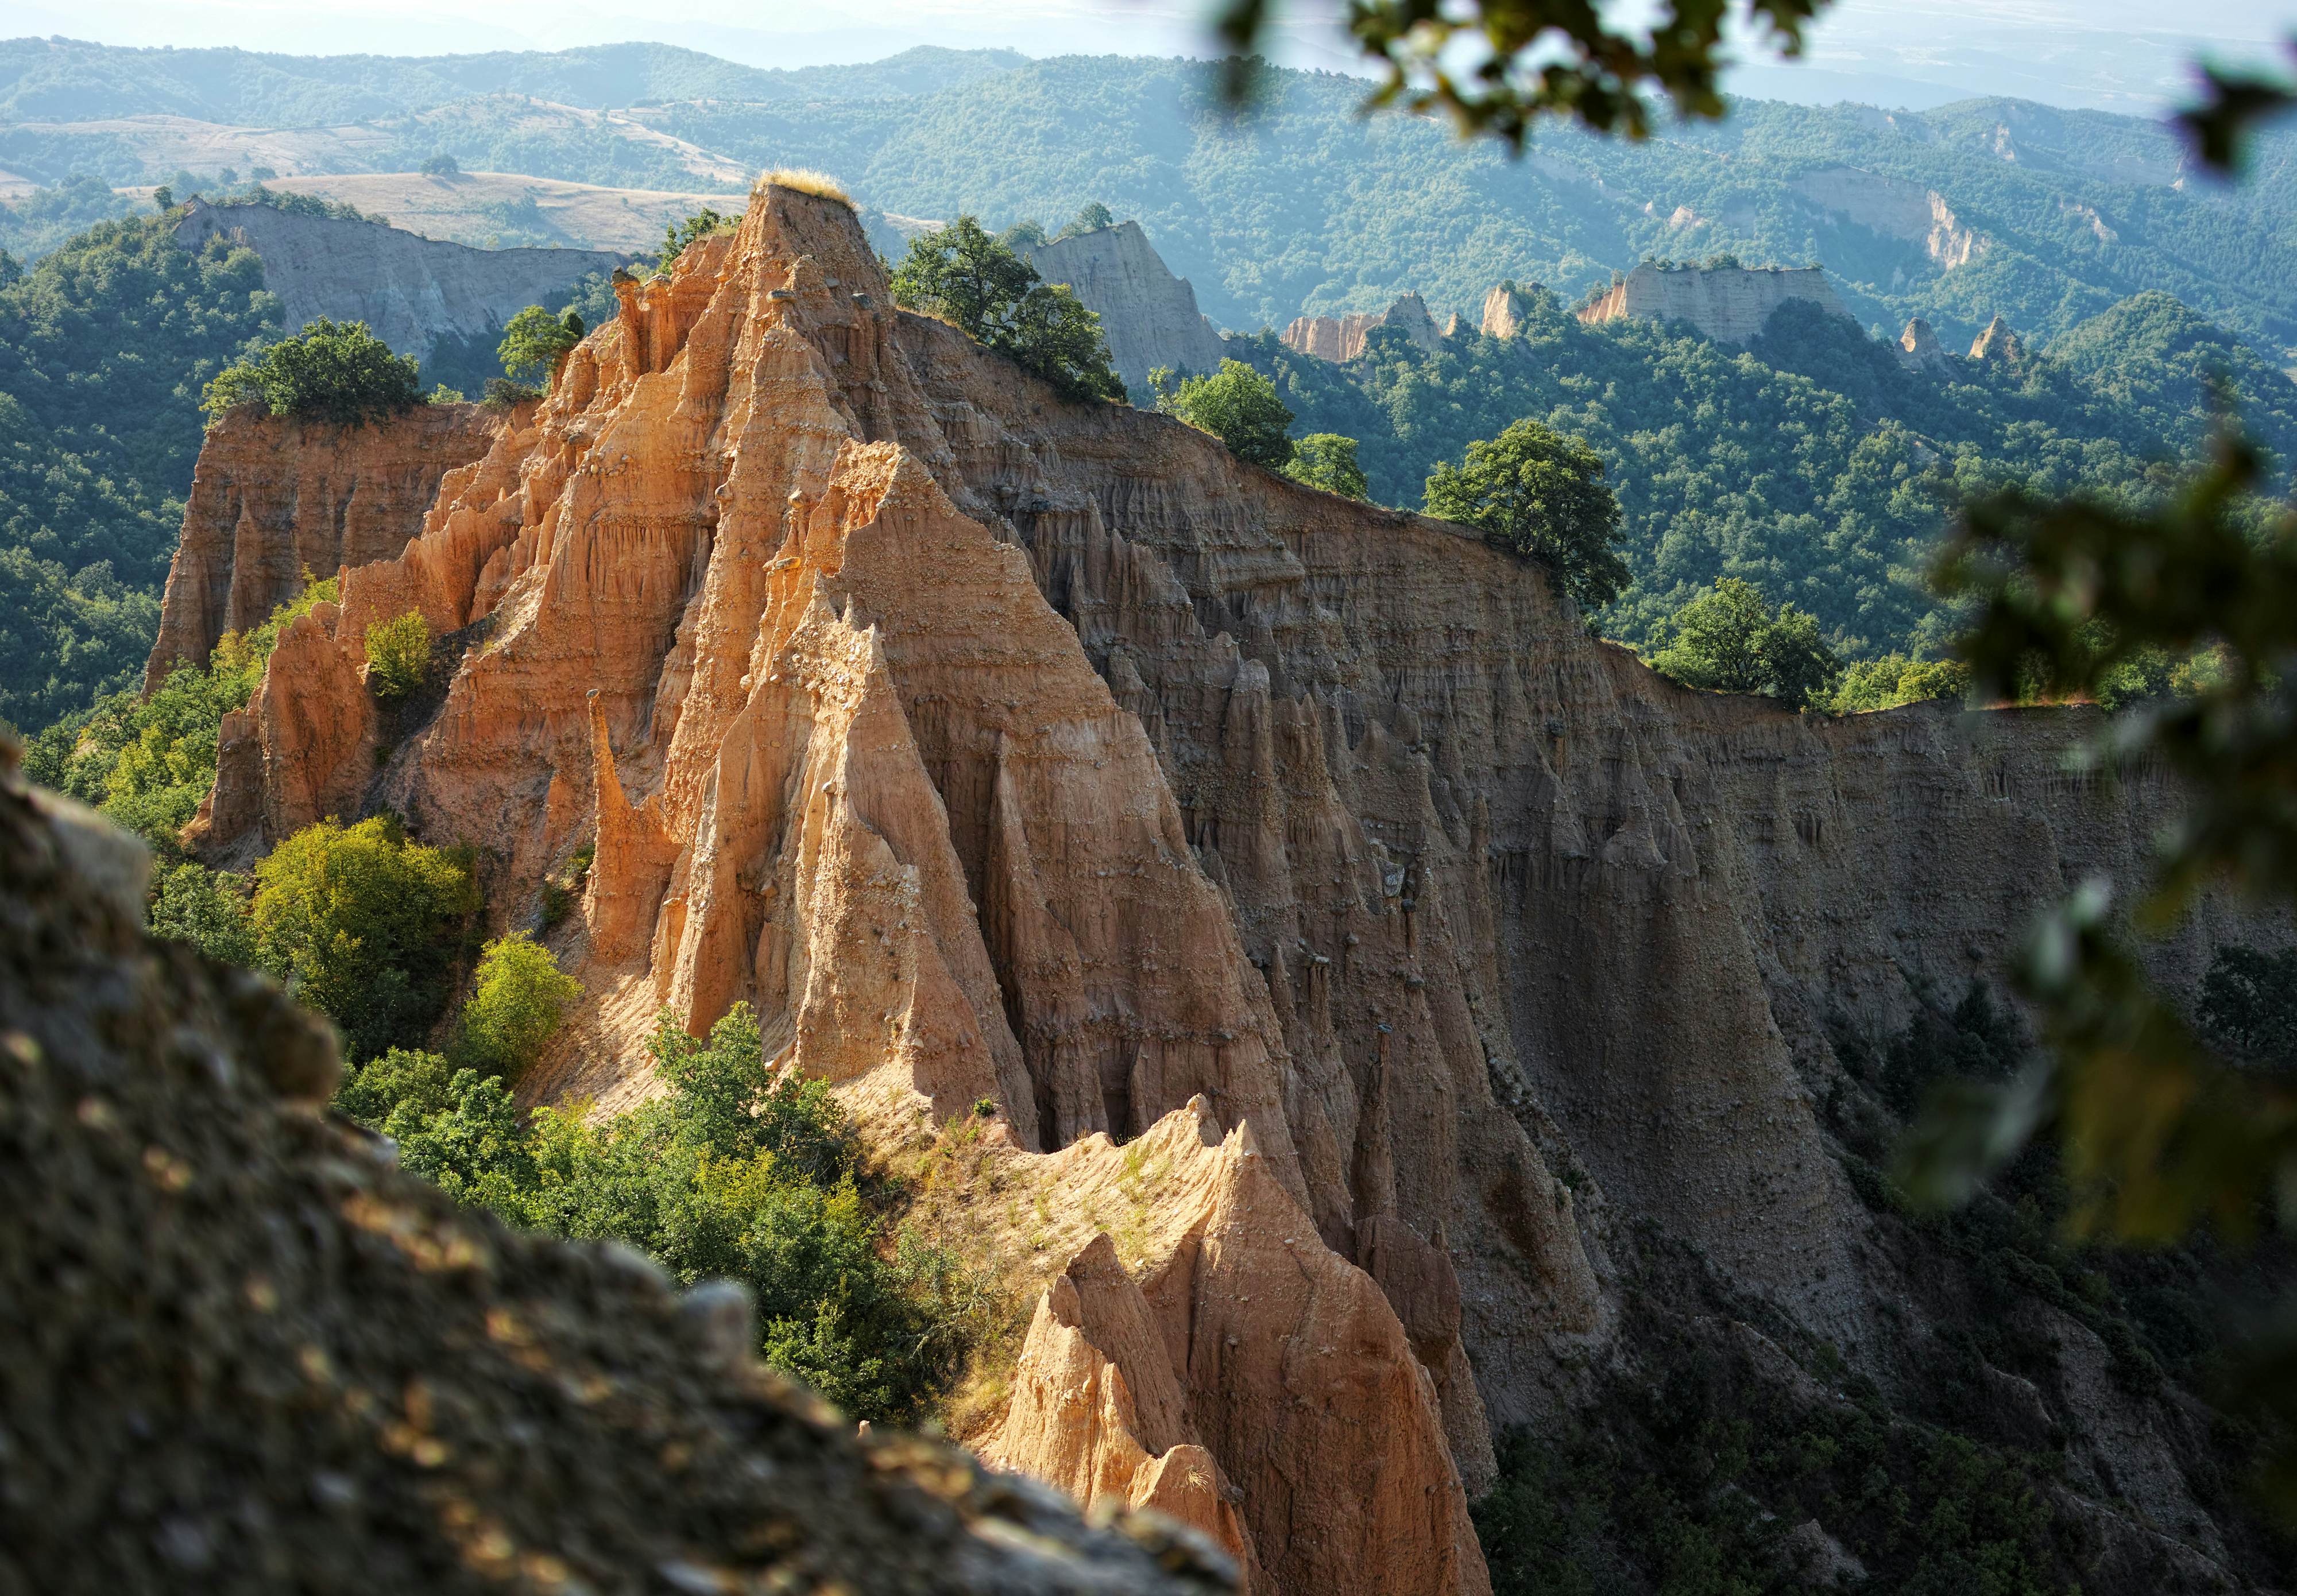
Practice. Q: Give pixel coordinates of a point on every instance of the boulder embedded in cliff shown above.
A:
(1730, 304)
(239, 1349)
(407, 289)
(1150, 316)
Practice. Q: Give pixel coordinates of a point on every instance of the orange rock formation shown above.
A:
(995, 746)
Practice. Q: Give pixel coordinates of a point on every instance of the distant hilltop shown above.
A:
(1730, 304)
(409, 290)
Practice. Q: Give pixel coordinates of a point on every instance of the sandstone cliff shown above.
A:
(1342, 337)
(1918, 346)
(407, 288)
(1504, 311)
(273, 499)
(1896, 209)
(1150, 316)
(1996, 342)
(241, 1351)
(1729, 304)
(995, 746)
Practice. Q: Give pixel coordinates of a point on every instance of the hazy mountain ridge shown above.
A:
(2045, 216)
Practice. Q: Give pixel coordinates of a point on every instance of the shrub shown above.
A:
(337, 372)
(502, 393)
(2249, 1005)
(973, 282)
(677, 235)
(443, 395)
(1327, 460)
(398, 656)
(1728, 640)
(521, 996)
(1236, 405)
(821, 185)
(736, 1172)
(535, 343)
(1896, 680)
(1540, 494)
(362, 923)
(1092, 218)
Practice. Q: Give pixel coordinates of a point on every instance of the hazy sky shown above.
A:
(2125, 54)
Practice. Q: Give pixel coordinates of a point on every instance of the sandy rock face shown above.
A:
(409, 288)
(1150, 316)
(273, 499)
(1996, 342)
(1728, 303)
(1918, 346)
(996, 747)
(1342, 337)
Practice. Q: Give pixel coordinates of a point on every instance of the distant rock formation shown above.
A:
(1998, 343)
(1149, 315)
(1895, 209)
(407, 289)
(1505, 308)
(1728, 303)
(1341, 338)
(273, 499)
(1918, 348)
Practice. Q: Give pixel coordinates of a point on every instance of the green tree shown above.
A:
(1894, 679)
(398, 656)
(207, 908)
(362, 923)
(1327, 460)
(972, 281)
(677, 235)
(2249, 1005)
(535, 343)
(1729, 640)
(1092, 218)
(334, 371)
(1236, 405)
(521, 996)
(1540, 494)
(441, 165)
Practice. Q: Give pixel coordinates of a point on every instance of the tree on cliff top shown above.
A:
(1236, 405)
(536, 342)
(970, 280)
(1540, 494)
(330, 371)
(1728, 640)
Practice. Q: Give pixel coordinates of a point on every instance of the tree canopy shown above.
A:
(1541, 494)
(1236, 405)
(535, 341)
(980, 284)
(330, 371)
(1729, 640)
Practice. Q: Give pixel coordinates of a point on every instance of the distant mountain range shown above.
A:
(1987, 206)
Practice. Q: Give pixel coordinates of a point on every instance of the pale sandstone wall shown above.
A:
(1342, 337)
(996, 746)
(407, 288)
(1729, 304)
(1150, 316)
(273, 499)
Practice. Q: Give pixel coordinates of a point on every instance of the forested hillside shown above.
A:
(2045, 216)
(1815, 465)
(104, 347)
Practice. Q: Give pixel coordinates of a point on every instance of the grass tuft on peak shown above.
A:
(806, 181)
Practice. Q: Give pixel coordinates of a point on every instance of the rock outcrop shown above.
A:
(1504, 312)
(1729, 304)
(1997, 343)
(993, 747)
(1341, 338)
(1151, 315)
(407, 289)
(273, 500)
(1895, 209)
(240, 1350)
(1918, 346)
